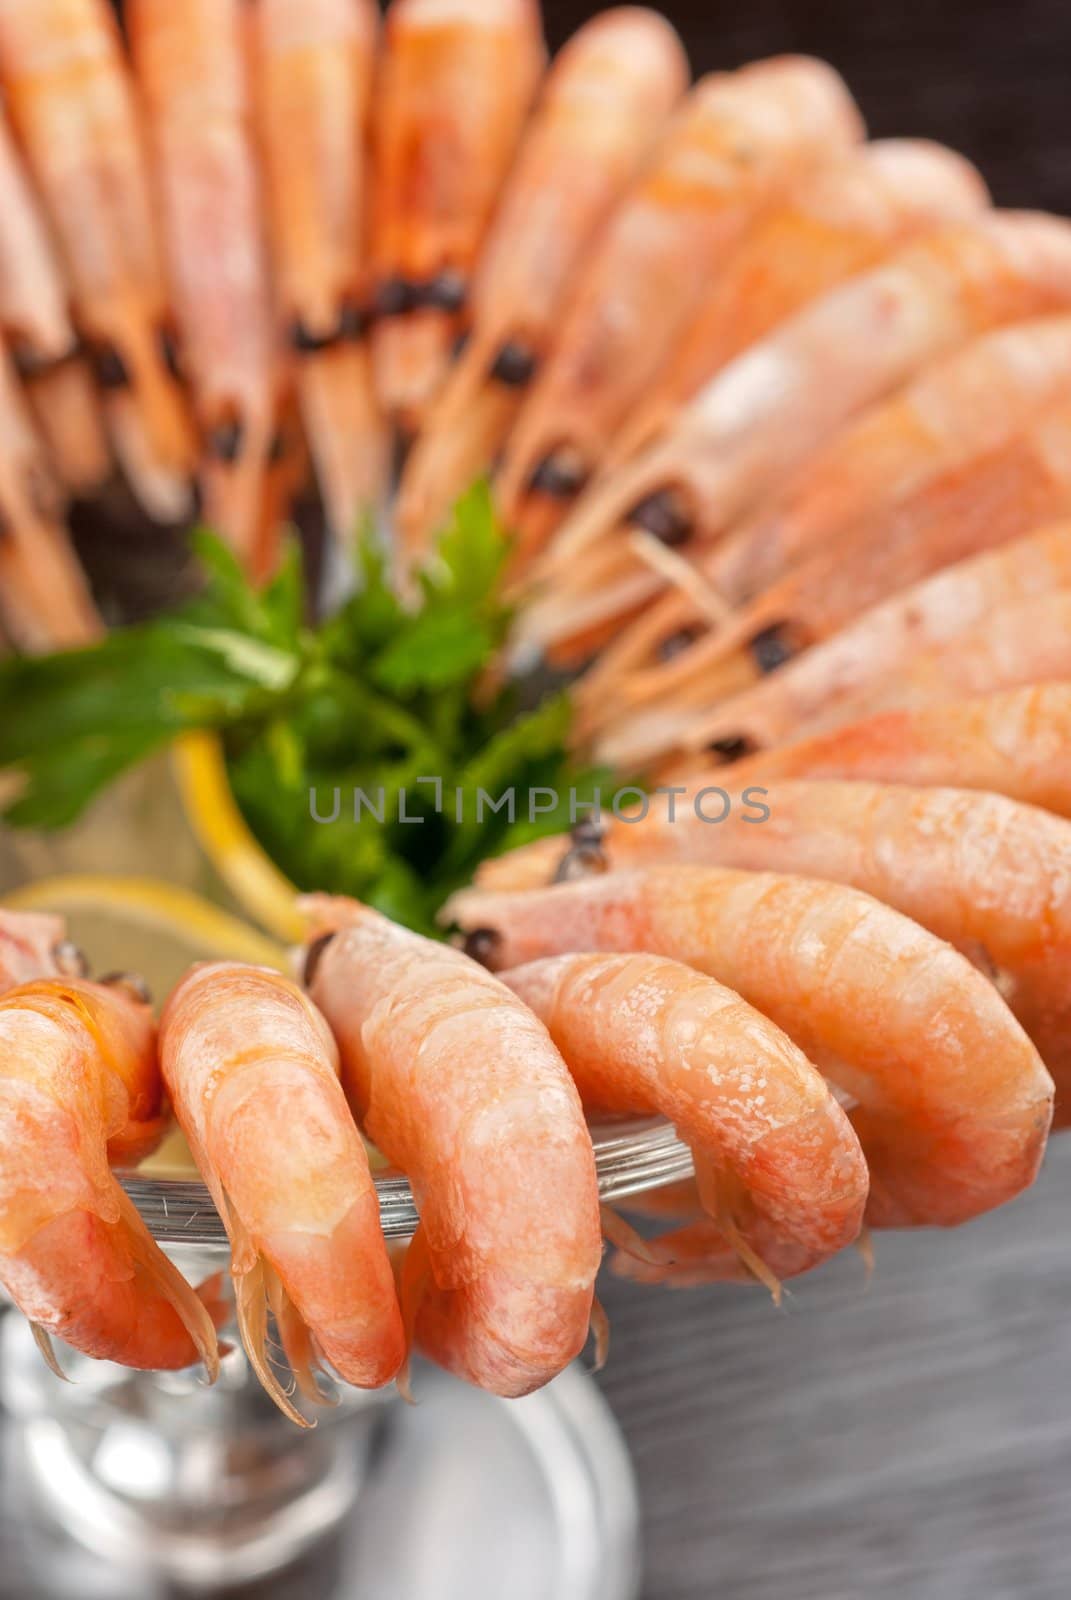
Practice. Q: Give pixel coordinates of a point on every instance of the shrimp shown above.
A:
(771, 408)
(252, 1072)
(45, 601)
(313, 76)
(191, 65)
(953, 1103)
(778, 1166)
(761, 666)
(1014, 742)
(460, 1086)
(604, 100)
(1015, 643)
(80, 1087)
(35, 320)
(841, 220)
(737, 142)
(72, 106)
(456, 82)
(35, 945)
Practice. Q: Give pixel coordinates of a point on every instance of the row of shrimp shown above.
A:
(831, 1048)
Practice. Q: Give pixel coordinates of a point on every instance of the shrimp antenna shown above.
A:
(600, 1330)
(43, 1340)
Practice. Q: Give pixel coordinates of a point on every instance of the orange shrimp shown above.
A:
(953, 1103)
(80, 1087)
(35, 320)
(313, 80)
(460, 1085)
(45, 601)
(191, 64)
(778, 1167)
(71, 102)
(736, 143)
(252, 1072)
(607, 95)
(456, 82)
(1014, 742)
(771, 408)
(841, 220)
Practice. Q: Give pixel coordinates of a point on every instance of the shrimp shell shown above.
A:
(953, 1101)
(776, 1157)
(460, 1086)
(606, 96)
(252, 1072)
(28, 945)
(80, 1085)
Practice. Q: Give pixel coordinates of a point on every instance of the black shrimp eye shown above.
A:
(677, 643)
(313, 957)
(70, 959)
(734, 747)
(110, 368)
(481, 944)
(583, 861)
(447, 291)
(561, 475)
(515, 365)
(308, 343)
(352, 322)
(665, 516)
(589, 831)
(772, 648)
(225, 440)
(132, 982)
(394, 297)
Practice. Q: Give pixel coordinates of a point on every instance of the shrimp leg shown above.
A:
(953, 1101)
(736, 144)
(253, 1076)
(455, 86)
(190, 57)
(80, 1086)
(73, 108)
(777, 1163)
(460, 1086)
(608, 93)
(313, 72)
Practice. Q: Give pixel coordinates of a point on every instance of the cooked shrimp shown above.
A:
(1014, 742)
(776, 686)
(772, 407)
(1019, 641)
(953, 1102)
(606, 97)
(44, 598)
(191, 63)
(35, 320)
(460, 1086)
(252, 1072)
(737, 142)
(72, 106)
(35, 945)
(778, 1166)
(841, 220)
(456, 82)
(80, 1086)
(313, 71)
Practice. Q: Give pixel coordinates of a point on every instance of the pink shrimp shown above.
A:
(736, 144)
(771, 408)
(456, 82)
(80, 1087)
(605, 98)
(73, 109)
(953, 1103)
(45, 601)
(35, 945)
(313, 72)
(460, 1086)
(192, 70)
(841, 220)
(778, 1166)
(252, 1072)
(35, 320)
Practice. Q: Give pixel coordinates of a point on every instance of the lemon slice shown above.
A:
(223, 834)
